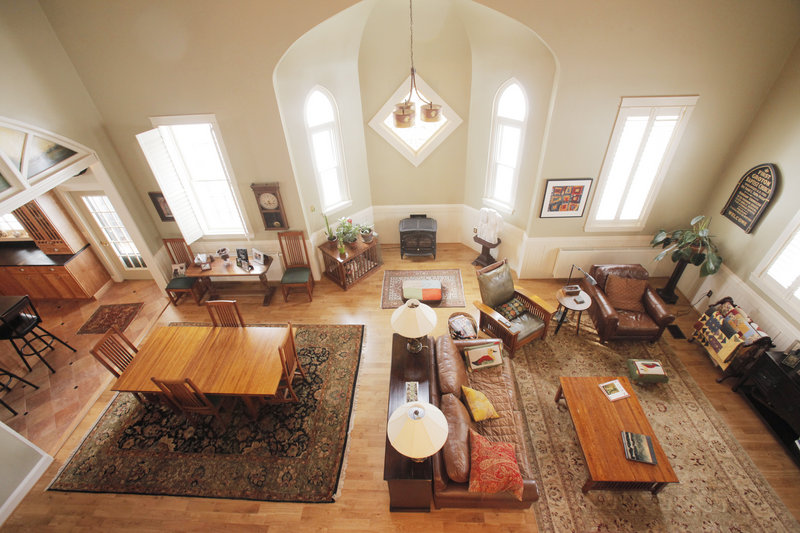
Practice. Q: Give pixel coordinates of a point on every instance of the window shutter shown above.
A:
(155, 150)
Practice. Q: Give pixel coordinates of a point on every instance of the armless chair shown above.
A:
(291, 368)
(185, 397)
(507, 312)
(225, 313)
(20, 322)
(114, 351)
(296, 265)
(180, 252)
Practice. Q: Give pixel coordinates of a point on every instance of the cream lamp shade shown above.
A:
(417, 430)
(413, 320)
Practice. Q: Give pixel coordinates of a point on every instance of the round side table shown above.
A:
(579, 303)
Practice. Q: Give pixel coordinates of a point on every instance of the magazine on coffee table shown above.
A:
(614, 390)
(638, 447)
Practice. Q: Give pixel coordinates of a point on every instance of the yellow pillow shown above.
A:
(479, 405)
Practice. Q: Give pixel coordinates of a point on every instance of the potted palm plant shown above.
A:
(691, 245)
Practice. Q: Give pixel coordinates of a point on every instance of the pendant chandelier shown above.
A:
(404, 111)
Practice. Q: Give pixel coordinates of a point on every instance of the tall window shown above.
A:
(106, 217)
(188, 159)
(325, 141)
(508, 131)
(644, 139)
(779, 273)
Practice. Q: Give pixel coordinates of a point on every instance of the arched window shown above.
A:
(509, 117)
(327, 153)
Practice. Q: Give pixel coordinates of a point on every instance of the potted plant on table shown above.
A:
(688, 245)
(366, 232)
(346, 231)
(328, 232)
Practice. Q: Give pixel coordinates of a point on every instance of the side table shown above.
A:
(360, 259)
(410, 482)
(580, 302)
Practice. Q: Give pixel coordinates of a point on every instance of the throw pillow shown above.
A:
(625, 293)
(479, 405)
(511, 309)
(493, 467)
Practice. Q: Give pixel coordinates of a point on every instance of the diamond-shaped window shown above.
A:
(420, 140)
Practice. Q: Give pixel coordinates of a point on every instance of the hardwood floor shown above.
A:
(364, 501)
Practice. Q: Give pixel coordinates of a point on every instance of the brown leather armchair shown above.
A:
(628, 307)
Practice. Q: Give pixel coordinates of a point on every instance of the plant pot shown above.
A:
(367, 237)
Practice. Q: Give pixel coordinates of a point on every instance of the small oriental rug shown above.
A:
(720, 488)
(294, 453)
(119, 315)
(452, 288)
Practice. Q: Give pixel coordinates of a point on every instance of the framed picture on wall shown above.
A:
(565, 198)
(163, 210)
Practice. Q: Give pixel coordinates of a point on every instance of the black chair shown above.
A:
(5, 385)
(20, 322)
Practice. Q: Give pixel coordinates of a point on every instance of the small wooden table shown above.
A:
(220, 269)
(569, 303)
(360, 259)
(599, 424)
(237, 362)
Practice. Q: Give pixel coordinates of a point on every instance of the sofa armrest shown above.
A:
(656, 308)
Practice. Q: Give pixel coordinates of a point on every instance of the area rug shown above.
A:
(294, 453)
(720, 488)
(119, 315)
(452, 289)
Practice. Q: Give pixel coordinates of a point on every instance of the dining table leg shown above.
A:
(250, 407)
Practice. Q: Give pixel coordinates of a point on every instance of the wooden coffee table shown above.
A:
(599, 424)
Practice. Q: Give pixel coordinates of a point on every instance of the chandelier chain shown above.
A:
(413, 88)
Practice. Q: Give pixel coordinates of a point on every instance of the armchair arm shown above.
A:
(536, 306)
(656, 308)
(495, 325)
(489, 313)
(603, 314)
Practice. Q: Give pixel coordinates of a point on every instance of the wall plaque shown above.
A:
(751, 196)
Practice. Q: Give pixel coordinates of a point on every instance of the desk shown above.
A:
(220, 269)
(238, 362)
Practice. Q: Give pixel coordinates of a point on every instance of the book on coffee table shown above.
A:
(638, 447)
(614, 390)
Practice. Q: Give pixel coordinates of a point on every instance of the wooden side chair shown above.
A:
(507, 312)
(180, 252)
(185, 397)
(114, 351)
(297, 268)
(225, 313)
(291, 368)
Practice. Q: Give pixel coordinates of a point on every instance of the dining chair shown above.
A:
(185, 397)
(225, 313)
(6, 378)
(291, 368)
(114, 351)
(297, 268)
(20, 322)
(180, 252)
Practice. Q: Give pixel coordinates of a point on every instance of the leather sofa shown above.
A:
(451, 464)
(612, 323)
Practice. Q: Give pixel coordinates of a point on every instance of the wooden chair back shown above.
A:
(186, 397)
(179, 251)
(225, 313)
(291, 367)
(293, 249)
(114, 351)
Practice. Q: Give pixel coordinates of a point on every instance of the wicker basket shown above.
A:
(456, 335)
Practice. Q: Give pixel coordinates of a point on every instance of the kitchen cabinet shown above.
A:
(51, 229)
(79, 278)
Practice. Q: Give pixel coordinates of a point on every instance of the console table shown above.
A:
(410, 482)
(360, 259)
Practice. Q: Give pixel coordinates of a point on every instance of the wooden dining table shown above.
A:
(239, 362)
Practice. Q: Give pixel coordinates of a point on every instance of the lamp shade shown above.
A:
(417, 430)
(413, 319)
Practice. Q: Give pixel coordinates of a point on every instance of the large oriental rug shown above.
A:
(119, 315)
(720, 489)
(294, 453)
(452, 288)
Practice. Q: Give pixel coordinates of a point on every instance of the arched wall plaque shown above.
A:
(751, 196)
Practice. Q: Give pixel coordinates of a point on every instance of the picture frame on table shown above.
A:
(565, 198)
(258, 256)
(162, 207)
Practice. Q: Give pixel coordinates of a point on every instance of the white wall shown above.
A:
(22, 464)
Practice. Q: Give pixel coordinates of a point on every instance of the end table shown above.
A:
(579, 302)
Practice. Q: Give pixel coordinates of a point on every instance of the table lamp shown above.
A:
(413, 320)
(417, 430)
(572, 290)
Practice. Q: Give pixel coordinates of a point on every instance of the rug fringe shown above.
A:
(353, 405)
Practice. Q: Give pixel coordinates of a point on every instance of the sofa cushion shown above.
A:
(625, 293)
(511, 309)
(493, 466)
(456, 448)
(479, 405)
(450, 366)
(496, 286)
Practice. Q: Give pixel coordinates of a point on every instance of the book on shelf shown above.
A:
(649, 368)
(614, 390)
(638, 447)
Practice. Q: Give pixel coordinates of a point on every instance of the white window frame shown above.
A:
(113, 239)
(760, 278)
(629, 105)
(335, 130)
(497, 122)
(174, 184)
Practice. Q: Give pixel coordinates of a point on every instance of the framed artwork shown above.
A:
(565, 198)
(163, 210)
(258, 256)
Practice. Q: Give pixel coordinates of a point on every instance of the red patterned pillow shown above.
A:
(493, 466)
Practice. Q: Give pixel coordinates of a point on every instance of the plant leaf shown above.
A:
(697, 219)
(660, 236)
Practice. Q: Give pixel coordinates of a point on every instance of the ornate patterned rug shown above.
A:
(294, 453)
(120, 315)
(720, 488)
(452, 288)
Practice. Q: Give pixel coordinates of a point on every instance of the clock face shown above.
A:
(267, 200)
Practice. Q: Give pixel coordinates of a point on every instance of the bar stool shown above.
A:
(20, 320)
(5, 386)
